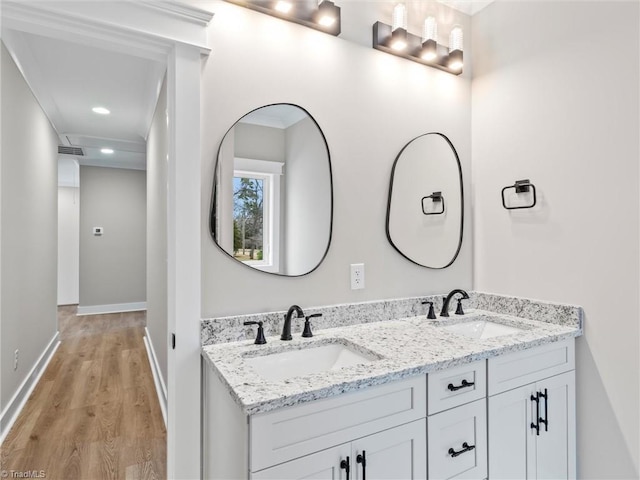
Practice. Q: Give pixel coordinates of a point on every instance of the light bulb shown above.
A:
(101, 110)
(399, 17)
(107, 151)
(283, 7)
(430, 30)
(455, 39)
(429, 40)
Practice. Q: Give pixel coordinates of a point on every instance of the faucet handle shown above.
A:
(459, 310)
(307, 325)
(260, 340)
(432, 314)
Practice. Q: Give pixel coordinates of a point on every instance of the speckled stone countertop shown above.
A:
(405, 347)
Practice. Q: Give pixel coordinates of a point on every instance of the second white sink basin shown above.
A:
(306, 361)
(481, 329)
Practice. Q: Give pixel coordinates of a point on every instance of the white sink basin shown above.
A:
(306, 361)
(481, 329)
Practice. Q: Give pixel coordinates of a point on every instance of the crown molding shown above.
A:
(179, 9)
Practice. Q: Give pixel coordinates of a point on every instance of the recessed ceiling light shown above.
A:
(108, 151)
(101, 110)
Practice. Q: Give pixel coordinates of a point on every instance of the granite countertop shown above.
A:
(405, 347)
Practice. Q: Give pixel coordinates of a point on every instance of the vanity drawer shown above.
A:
(457, 442)
(528, 366)
(292, 432)
(456, 386)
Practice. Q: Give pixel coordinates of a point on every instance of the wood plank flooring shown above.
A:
(94, 413)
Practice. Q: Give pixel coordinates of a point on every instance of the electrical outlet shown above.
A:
(357, 276)
(15, 359)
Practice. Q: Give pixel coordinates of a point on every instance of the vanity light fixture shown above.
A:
(322, 15)
(429, 50)
(328, 14)
(455, 48)
(425, 49)
(399, 28)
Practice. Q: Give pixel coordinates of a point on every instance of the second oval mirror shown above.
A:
(426, 206)
(272, 204)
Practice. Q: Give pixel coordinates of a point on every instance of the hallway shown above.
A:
(94, 413)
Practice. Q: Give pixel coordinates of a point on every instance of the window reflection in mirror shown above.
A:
(272, 201)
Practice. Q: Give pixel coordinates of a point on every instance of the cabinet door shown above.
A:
(324, 465)
(457, 443)
(516, 451)
(556, 445)
(511, 438)
(397, 454)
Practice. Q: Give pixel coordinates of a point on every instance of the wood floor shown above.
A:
(95, 413)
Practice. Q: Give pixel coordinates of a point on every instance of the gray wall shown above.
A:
(259, 142)
(28, 223)
(157, 151)
(556, 100)
(369, 105)
(112, 266)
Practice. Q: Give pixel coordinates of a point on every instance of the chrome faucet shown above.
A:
(286, 330)
(445, 306)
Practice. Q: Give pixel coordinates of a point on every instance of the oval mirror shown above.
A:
(272, 202)
(426, 203)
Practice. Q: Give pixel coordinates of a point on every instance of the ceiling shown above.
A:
(280, 115)
(470, 7)
(69, 79)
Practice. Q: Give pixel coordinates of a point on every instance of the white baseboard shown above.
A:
(158, 380)
(17, 402)
(112, 308)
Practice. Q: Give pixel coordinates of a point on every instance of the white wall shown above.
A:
(368, 104)
(157, 151)
(555, 100)
(307, 208)
(113, 265)
(68, 245)
(28, 220)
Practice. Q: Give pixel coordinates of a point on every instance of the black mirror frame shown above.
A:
(212, 211)
(393, 169)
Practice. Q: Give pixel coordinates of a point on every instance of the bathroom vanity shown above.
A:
(487, 394)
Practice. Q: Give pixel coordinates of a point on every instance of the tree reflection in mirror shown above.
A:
(272, 201)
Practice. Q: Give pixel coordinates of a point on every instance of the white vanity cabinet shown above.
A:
(397, 453)
(457, 423)
(532, 430)
(509, 417)
(383, 425)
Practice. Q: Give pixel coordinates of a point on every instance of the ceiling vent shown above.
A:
(65, 150)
